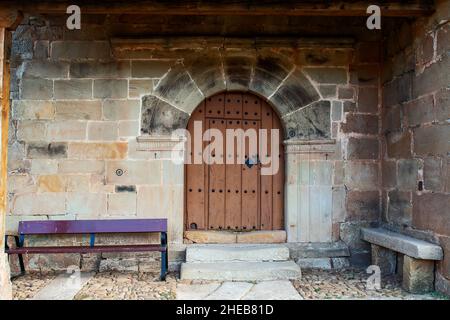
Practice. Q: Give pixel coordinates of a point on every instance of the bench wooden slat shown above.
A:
(80, 249)
(93, 226)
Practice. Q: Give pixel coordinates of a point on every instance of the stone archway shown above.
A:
(295, 95)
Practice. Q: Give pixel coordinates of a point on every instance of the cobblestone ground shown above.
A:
(351, 284)
(315, 284)
(25, 287)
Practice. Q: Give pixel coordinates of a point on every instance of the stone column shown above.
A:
(418, 275)
(8, 19)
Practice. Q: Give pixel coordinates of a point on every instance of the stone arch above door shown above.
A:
(290, 89)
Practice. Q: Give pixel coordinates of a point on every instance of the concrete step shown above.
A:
(240, 271)
(236, 252)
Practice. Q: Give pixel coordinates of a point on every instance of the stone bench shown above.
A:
(417, 265)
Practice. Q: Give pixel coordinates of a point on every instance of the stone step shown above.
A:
(236, 252)
(240, 271)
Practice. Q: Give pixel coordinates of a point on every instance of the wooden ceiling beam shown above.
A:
(411, 8)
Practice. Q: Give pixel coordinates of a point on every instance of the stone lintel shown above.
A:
(160, 143)
(310, 146)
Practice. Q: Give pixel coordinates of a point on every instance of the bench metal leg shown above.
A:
(21, 264)
(164, 258)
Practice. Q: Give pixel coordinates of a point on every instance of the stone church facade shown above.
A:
(364, 114)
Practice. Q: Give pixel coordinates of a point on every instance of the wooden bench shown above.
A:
(91, 227)
(417, 267)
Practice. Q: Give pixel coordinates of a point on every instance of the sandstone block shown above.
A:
(129, 128)
(362, 148)
(32, 110)
(31, 130)
(39, 204)
(385, 259)
(66, 130)
(360, 123)
(46, 69)
(368, 100)
(140, 87)
(336, 111)
(407, 174)
(43, 166)
(150, 68)
(86, 205)
(442, 103)
(432, 140)
(62, 183)
(103, 131)
(359, 175)
(398, 145)
(81, 166)
(274, 236)
(328, 75)
(198, 236)
(434, 174)
(134, 172)
(103, 70)
(110, 89)
(36, 89)
(419, 111)
(45, 150)
(399, 207)
(418, 275)
(161, 118)
(121, 109)
(73, 89)
(122, 204)
(363, 206)
(430, 213)
(71, 50)
(78, 110)
(100, 151)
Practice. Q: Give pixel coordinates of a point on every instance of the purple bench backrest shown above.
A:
(93, 226)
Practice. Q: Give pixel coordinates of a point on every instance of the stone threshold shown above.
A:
(213, 236)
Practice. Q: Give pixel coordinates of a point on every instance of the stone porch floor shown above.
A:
(315, 284)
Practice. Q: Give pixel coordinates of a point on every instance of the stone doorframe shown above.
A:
(290, 89)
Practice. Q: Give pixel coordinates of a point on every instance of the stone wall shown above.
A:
(81, 99)
(416, 131)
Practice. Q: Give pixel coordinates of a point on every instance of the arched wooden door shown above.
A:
(234, 196)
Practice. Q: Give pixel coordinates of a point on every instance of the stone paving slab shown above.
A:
(64, 287)
(266, 290)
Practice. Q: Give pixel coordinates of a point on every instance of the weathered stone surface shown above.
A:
(210, 236)
(84, 204)
(137, 88)
(365, 74)
(241, 271)
(363, 206)
(432, 78)
(391, 119)
(62, 183)
(32, 110)
(399, 207)
(110, 88)
(46, 69)
(430, 212)
(30, 130)
(134, 172)
(236, 252)
(399, 145)
(336, 110)
(78, 110)
(150, 68)
(36, 89)
(160, 118)
(116, 69)
(362, 148)
(323, 57)
(179, 89)
(398, 90)
(66, 130)
(100, 151)
(196, 291)
(39, 204)
(442, 104)
(340, 263)
(434, 174)
(328, 75)
(45, 150)
(238, 69)
(409, 246)
(274, 236)
(407, 173)
(317, 249)
(419, 111)
(129, 128)
(314, 263)
(269, 72)
(121, 109)
(102, 131)
(351, 235)
(432, 140)
(43, 166)
(71, 50)
(206, 71)
(368, 100)
(363, 176)
(328, 91)
(385, 259)
(389, 174)
(122, 204)
(81, 166)
(123, 265)
(360, 123)
(73, 89)
(229, 291)
(294, 93)
(442, 284)
(418, 275)
(312, 122)
(273, 290)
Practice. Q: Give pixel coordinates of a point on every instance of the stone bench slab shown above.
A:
(410, 246)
